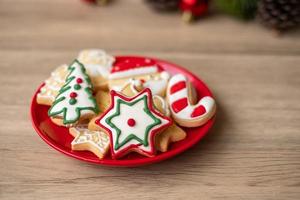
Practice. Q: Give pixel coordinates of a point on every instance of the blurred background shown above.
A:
(247, 52)
(133, 26)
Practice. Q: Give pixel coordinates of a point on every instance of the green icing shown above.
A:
(72, 101)
(77, 87)
(132, 136)
(66, 87)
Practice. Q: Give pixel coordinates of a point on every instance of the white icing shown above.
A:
(82, 98)
(142, 120)
(185, 114)
(133, 83)
(98, 139)
(133, 72)
(53, 84)
(156, 86)
(165, 75)
(96, 61)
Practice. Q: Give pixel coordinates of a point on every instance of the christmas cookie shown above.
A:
(132, 124)
(138, 69)
(75, 102)
(98, 65)
(163, 139)
(172, 134)
(85, 140)
(183, 111)
(52, 85)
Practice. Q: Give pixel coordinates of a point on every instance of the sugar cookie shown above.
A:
(172, 134)
(52, 85)
(98, 65)
(132, 124)
(103, 102)
(75, 101)
(183, 112)
(145, 70)
(85, 140)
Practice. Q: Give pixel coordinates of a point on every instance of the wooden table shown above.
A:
(252, 152)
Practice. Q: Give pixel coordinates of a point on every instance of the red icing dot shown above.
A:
(79, 80)
(131, 122)
(142, 80)
(73, 94)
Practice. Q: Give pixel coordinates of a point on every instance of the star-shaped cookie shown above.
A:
(132, 123)
(85, 140)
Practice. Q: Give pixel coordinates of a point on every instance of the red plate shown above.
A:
(60, 139)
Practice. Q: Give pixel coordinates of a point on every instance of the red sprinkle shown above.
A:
(131, 122)
(79, 80)
(73, 94)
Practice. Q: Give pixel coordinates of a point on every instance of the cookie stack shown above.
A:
(118, 106)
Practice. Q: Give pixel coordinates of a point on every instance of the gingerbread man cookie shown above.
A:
(132, 124)
(183, 112)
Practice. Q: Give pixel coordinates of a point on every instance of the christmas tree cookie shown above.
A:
(132, 123)
(74, 102)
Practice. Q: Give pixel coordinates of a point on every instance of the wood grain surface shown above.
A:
(252, 152)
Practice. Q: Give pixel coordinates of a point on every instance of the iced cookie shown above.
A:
(144, 70)
(132, 124)
(171, 134)
(75, 102)
(183, 111)
(98, 65)
(52, 85)
(96, 142)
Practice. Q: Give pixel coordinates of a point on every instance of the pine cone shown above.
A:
(279, 14)
(164, 5)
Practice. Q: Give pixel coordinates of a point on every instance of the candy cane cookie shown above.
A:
(184, 112)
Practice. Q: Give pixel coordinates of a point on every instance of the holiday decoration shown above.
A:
(164, 5)
(243, 9)
(132, 123)
(75, 98)
(279, 15)
(193, 9)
